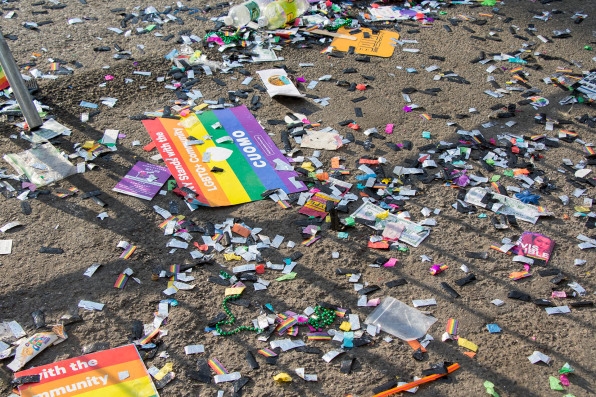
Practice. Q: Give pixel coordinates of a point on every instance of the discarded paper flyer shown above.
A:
(144, 180)
(117, 372)
(506, 205)
(233, 141)
(536, 245)
(411, 232)
(277, 82)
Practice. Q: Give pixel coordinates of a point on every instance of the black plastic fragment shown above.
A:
(396, 283)
(542, 302)
(465, 280)
(240, 383)
(345, 366)
(449, 289)
(219, 281)
(21, 380)
(252, 361)
(418, 354)
(519, 296)
(219, 317)
(581, 304)
(368, 290)
(385, 386)
(50, 250)
(25, 207)
(438, 369)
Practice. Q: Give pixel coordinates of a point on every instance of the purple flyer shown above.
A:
(144, 180)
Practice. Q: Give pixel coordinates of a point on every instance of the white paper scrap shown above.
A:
(89, 305)
(194, 349)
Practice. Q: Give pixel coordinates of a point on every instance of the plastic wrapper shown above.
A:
(30, 348)
(400, 320)
(42, 164)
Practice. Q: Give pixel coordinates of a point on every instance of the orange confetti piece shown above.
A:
(415, 345)
(323, 176)
(241, 230)
(335, 162)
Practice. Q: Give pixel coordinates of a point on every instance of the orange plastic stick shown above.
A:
(426, 379)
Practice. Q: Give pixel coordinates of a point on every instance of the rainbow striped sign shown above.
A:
(3, 80)
(234, 142)
(118, 372)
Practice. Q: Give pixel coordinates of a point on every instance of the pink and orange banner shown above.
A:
(117, 372)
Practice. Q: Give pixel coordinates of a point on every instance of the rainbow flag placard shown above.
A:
(234, 144)
(3, 80)
(117, 372)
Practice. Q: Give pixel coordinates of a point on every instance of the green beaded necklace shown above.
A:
(321, 318)
(232, 319)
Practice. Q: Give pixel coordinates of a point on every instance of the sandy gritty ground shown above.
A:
(55, 283)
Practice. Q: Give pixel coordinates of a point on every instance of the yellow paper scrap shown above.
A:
(165, 370)
(307, 165)
(345, 326)
(232, 257)
(88, 145)
(282, 377)
(383, 215)
(467, 344)
(234, 291)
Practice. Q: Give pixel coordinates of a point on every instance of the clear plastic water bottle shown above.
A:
(244, 13)
(275, 15)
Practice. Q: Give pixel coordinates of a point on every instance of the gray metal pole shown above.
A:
(21, 93)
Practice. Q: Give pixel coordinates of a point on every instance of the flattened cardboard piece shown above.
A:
(378, 45)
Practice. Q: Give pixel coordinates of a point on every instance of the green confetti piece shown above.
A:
(482, 216)
(489, 3)
(350, 221)
(289, 276)
(555, 384)
(508, 173)
(490, 388)
(490, 161)
(567, 369)
(495, 178)
(172, 184)
(149, 28)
